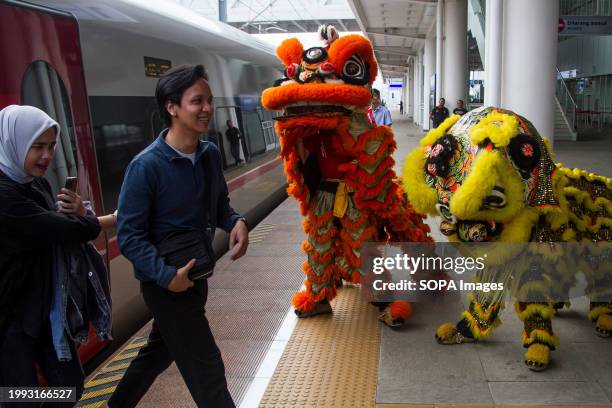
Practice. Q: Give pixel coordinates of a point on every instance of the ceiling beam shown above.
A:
(359, 13)
(397, 69)
(395, 32)
(424, 2)
(392, 61)
(298, 25)
(394, 66)
(407, 52)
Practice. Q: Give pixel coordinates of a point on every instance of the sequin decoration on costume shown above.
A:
(491, 178)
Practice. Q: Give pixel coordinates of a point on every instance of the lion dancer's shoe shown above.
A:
(538, 336)
(394, 314)
(307, 303)
(601, 314)
(477, 324)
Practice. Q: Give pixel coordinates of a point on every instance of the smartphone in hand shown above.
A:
(71, 184)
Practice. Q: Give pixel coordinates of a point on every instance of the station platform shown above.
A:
(349, 359)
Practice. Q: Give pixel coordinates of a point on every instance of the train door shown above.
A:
(42, 66)
(254, 131)
(267, 127)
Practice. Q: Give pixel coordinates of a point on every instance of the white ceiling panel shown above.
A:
(397, 29)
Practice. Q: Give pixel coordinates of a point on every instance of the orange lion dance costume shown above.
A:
(338, 165)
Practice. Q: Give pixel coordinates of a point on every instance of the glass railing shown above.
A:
(568, 105)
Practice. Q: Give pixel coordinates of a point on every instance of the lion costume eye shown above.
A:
(314, 55)
(354, 71)
(444, 212)
(497, 199)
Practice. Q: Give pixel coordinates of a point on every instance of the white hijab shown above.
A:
(20, 126)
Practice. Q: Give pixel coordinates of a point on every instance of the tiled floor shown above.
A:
(414, 369)
(248, 309)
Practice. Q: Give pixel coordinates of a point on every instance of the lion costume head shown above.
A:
(323, 81)
(489, 175)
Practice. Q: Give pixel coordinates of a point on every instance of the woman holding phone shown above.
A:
(30, 227)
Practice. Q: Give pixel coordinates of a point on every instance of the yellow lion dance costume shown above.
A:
(491, 178)
(339, 166)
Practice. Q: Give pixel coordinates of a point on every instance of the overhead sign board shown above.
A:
(155, 67)
(585, 25)
(571, 73)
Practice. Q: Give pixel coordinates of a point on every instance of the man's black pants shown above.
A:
(180, 333)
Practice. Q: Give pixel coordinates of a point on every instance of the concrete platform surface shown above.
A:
(414, 369)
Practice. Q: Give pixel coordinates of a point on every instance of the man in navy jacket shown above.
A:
(176, 184)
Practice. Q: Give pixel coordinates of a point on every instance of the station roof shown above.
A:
(397, 29)
(278, 16)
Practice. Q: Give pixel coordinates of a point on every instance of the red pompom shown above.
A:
(400, 310)
(303, 302)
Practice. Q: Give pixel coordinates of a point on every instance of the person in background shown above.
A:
(460, 110)
(176, 184)
(401, 106)
(32, 227)
(382, 116)
(233, 135)
(439, 113)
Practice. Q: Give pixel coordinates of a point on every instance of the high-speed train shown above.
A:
(93, 66)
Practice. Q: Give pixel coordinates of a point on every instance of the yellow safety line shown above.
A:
(125, 356)
(96, 404)
(95, 382)
(98, 393)
(110, 369)
(135, 344)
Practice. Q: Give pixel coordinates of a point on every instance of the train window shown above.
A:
(122, 127)
(42, 87)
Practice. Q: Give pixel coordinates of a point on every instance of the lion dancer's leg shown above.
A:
(320, 268)
(540, 285)
(538, 336)
(482, 316)
(477, 322)
(358, 227)
(595, 264)
(601, 314)
(599, 277)
(355, 230)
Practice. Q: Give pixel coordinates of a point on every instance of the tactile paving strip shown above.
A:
(330, 361)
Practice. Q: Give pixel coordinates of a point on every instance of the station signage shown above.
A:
(155, 67)
(585, 25)
(571, 73)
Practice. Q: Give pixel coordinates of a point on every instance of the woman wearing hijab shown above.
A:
(30, 226)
